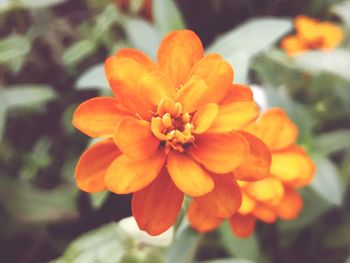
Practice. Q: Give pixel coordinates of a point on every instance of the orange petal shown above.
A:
(127, 175)
(268, 190)
(154, 86)
(204, 117)
(178, 53)
(224, 200)
(218, 76)
(306, 28)
(234, 116)
(91, 168)
(292, 45)
(189, 176)
(247, 205)
(200, 220)
(156, 207)
(98, 117)
(264, 213)
(256, 164)
(332, 34)
(192, 93)
(242, 225)
(290, 206)
(293, 166)
(220, 153)
(238, 92)
(137, 56)
(124, 75)
(276, 129)
(135, 138)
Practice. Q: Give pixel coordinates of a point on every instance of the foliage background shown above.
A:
(51, 59)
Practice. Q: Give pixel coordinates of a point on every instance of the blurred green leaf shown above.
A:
(184, 247)
(78, 51)
(13, 51)
(2, 113)
(145, 255)
(142, 35)
(327, 182)
(167, 16)
(343, 11)
(27, 204)
(105, 21)
(93, 77)
(241, 248)
(97, 199)
(252, 37)
(28, 96)
(338, 236)
(336, 62)
(39, 3)
(331, 142)
(105, 244)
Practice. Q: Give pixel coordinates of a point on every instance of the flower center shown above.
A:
(172, 126)
(316, 43)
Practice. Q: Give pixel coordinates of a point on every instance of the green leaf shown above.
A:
(331, 142)
(97, 199)
(105, 21)
(105, 244)
(242, 248)
(2, 113)
(93, 77)
(145, 255)
(336, 62)
(167, 16)
(142, 35)
(13, 51)
(343, 11)
(78, 51)
(327, 182)
(27, 204)
(239, 45)
(28, 96)
(184, 247)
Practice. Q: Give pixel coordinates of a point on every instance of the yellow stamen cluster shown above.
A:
(172, 126)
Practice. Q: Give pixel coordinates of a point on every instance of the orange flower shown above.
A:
(172, 128)
(312, 35)
(274, 196)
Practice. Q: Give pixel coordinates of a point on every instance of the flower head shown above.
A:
(274, 196)
(312, 35)
(173, 127)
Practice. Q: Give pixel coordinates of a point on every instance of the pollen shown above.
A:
(172, 126)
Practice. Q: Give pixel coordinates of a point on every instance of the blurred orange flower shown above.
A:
(274, 196)
(312, 34)
(172, 128)
(145, 7)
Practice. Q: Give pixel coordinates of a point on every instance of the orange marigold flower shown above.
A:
(312, 34)
(173, 127)
(271, 197)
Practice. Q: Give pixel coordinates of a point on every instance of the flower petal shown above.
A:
(247, 205)
(189, 176)
(268, 190)
(137, 56)
(126, 175)
(220, 153)
(178, 53)
(154, 86)
(238, 92)
(200, 220)
(98, 117)
(91, 168)
(235, 116)
(292, 45)
(204, 117)
(135, 138)
(156, 207)
(242, 225)
(290, 205)
(224, 200)
(124, 76)
(276, 129)
(264, 213)
(256, 164)
(218, 76)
